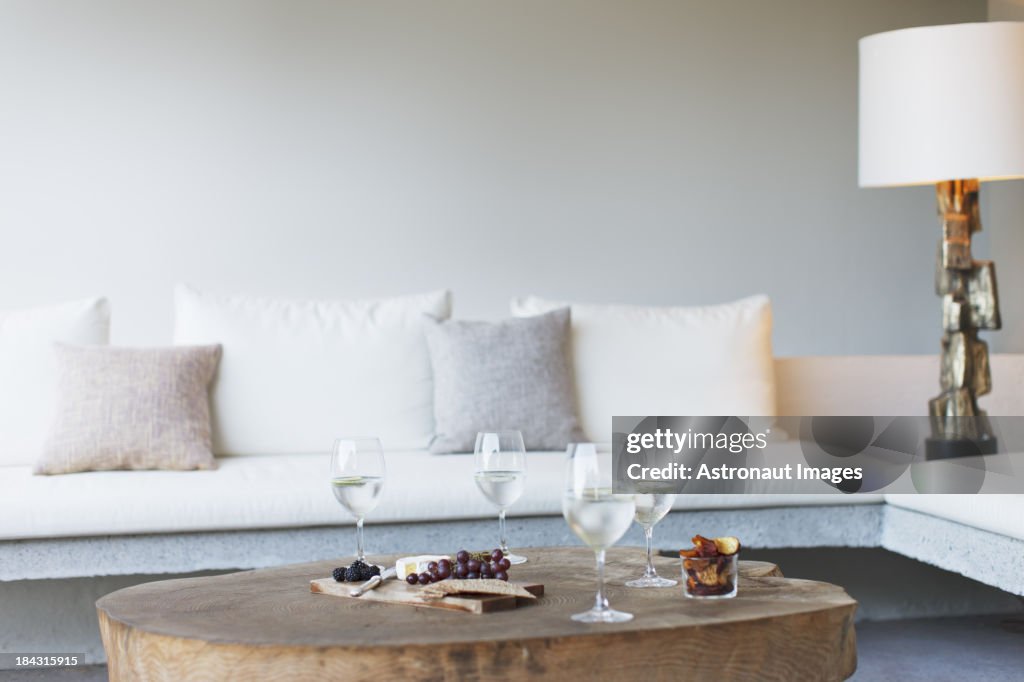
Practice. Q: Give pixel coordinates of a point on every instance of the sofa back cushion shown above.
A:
(28, 369)
(295, 375)
(635, 360)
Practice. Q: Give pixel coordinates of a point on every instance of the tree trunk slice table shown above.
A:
(267, 625)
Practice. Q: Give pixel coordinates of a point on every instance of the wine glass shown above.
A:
(500, 474)
(597, 516)
(651, 508)
(357, 476)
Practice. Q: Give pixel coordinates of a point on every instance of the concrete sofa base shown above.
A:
(990, 558)
(987, 557)
(846, 526)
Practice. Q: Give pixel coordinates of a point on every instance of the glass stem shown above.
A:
(649, 536)
(503, 543)
(359, 539)
(600, 603)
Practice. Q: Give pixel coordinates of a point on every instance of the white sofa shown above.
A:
(66, 540)
(261, 510)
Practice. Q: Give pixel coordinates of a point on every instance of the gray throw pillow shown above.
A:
(131, 408)
(512, 374)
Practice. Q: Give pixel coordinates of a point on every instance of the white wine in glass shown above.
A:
(357, 477)
(500, 459)
(597, 516)
(651, 508)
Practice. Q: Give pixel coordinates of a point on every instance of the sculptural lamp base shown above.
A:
(970, 304)
(948, 448)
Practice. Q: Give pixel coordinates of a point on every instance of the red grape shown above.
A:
(462, 557)
(473, 565)
(497, 555)
(472, 575)
(431, 566)
(501, 575)
(505, 564)
(424, 578)
(412, 578)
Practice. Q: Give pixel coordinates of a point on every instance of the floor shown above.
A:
(974, 649)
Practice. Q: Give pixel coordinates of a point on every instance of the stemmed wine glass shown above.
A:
(597, 516)
(651, 508)
(500, 458)
(357, 476)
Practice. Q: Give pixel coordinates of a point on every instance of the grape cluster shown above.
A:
(436, 570)
(468, 566)
(358, 572)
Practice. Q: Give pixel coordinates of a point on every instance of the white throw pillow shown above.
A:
(295, 375)
(28, 369)
(636, 360)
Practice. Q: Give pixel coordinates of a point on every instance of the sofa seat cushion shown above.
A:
(995, 513)
(288, 491)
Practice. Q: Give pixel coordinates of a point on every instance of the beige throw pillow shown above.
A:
(131, 408)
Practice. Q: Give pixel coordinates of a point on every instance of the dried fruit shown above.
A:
(704, 546)
(727, 545)
(711, 566)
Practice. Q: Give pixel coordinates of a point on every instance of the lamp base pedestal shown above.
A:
(970, 303)
(949, 448)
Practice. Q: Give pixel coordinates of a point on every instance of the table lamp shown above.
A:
(944, 105)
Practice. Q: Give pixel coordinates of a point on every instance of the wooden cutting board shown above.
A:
(399, 592)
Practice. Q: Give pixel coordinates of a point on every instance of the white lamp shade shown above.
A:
(942, 103)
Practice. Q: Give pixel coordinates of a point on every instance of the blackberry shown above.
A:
(339, 574)
(374, 570)
(358, 572)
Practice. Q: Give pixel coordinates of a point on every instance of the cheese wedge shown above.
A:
(408, 565)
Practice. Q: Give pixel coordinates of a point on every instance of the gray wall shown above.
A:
(1003, 220)
(643, 151)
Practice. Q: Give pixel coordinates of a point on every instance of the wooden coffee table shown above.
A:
(267, 625)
